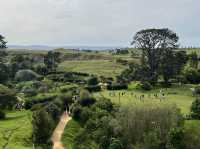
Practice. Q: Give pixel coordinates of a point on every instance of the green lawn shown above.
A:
(179, 95)
(21, 137)
(97, 67)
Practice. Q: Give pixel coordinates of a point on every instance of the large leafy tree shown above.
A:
(2, 42)
(3, 67)
(194, 60)
(153, 43)
(51, 60)
(172, 63)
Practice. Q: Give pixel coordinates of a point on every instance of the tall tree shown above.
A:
(194, 60)
(2, 42)
(3, 66)
(167, 69)
(153, 43)
(51, 60)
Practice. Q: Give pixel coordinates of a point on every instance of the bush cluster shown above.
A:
(93, 88)
(2, 115)
(117, 87)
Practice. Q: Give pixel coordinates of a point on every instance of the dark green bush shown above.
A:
(146, 86)
(76, 111)
(195, 109)
(29, 91)
(2, 115)
(54, 111)
(36, 100)
(104, 104)
(192, 75)
(87, 101)
(43, 126)
(37, 107)
(7, 97)
(93, 81)
(176, 138)
(197, 90)
(117, 87)
(94, 88)
(26, 75)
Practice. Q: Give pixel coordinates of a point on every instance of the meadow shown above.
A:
(105, 68)
(18, 124)
(179, 95)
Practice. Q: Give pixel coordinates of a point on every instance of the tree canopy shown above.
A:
(153, 43)
(2, 42)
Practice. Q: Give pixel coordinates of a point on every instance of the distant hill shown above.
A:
(46, 47)
(30, 47)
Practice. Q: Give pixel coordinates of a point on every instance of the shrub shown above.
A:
(38, 99)
(43, 126)
(85, 115)
(2, 115)
(105, 104)
(192, 75)
(154, 121)
(37, 107)
(117, 87)
(41, 69)
(84, 94)
(134, 85)
(121, 61)
(26, 75)
(195, 109)
(115, 144)
(151, 141)
(54, 111)
(66, 99)
(7, 97)
(146, 86)
(197, 90)
(87, 101)
(94, 88)
(85, 98)
(93, 81)
(176, 138)
(76, 111)
(29, 91)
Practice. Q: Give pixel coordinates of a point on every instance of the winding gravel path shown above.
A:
(57, 134)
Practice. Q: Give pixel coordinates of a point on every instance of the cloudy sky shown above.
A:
(96, 22)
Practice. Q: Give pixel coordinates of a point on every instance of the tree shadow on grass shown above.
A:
(9, 118)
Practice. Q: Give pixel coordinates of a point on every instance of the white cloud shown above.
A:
(95, 22)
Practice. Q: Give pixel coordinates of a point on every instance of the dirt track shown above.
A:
(57, 134)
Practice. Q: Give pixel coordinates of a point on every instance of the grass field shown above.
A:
(179, 95)
(21, 137)
(97, 67)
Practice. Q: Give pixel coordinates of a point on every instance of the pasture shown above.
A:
(18, 126)
(179, 95)
(105, 68)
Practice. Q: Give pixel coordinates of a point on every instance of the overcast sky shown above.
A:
(96, 22)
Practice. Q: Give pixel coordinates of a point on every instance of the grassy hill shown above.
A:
(97, 67)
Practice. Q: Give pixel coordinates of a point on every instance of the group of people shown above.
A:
(160, 95)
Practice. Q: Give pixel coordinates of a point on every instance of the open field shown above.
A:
(179, 95)
(97, 67)
(21, 121)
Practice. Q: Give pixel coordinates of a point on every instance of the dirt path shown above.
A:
(57, 134)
